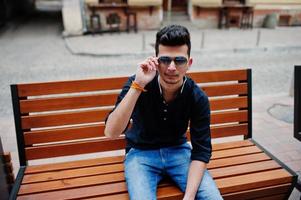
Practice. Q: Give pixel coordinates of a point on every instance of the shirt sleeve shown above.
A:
(200, 128)
(122, 94)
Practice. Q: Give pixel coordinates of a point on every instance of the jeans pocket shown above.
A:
(128, 153)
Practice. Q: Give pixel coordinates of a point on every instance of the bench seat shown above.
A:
(239, 168)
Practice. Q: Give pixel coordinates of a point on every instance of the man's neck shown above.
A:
(170, 91)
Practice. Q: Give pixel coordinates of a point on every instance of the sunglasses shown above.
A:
(180, 61)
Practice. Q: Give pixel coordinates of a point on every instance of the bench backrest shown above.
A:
(67, 118)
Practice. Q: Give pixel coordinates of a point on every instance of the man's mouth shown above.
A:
(171, 75)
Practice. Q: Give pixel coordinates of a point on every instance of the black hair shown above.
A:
(173, 35)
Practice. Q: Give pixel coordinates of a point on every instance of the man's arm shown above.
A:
(195, 175)
(119, 118)
(201, 144)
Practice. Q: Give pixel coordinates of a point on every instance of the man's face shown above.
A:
(172, 73)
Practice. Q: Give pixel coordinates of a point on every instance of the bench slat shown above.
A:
(62, 134)
(79, 192)
(244, 169)
(237, 160)
(226, 75)
(229, 130)
(235, 152)
(73, 148)
(225, 89)
(97, 130)
(275, 197)
(105, 191)
(71, 183)
(81, 117)
(250, 194)
(98, 100)
(229, 116)
(73, 173)
(228, 103)
(62, 87)
(252, 181)
(68, 118)
(73, 164)
(163, 193)
(231, 145)
(65, 103)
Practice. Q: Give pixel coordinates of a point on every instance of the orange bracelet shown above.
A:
(136, 86)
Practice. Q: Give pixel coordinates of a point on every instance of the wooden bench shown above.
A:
(67, 118)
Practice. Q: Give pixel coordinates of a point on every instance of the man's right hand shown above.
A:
(146, 71)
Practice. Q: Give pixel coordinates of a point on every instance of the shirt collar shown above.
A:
(182, 88)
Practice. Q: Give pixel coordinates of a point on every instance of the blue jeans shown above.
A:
(144, 169)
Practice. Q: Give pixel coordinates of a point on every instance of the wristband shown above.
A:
(136, 86)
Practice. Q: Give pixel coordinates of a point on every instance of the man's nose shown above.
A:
(172, 66)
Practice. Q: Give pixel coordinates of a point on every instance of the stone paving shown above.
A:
(35, 51)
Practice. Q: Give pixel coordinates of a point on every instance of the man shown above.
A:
(162, 101)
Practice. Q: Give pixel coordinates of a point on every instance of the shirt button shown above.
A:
(164, 119)
(165, 110)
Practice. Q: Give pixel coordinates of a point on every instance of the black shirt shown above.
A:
(158, 124)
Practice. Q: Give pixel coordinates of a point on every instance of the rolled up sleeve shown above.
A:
(200, 129)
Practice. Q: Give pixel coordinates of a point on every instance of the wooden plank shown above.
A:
(225, 89)
(254, 180)
(229, 130)
(218, 76)
(65, 103)
(237, 160)
(274, 197)
(70, 183)
(97, 130)
(73, 164)
(79, 193)
(255, 193)
(244, 169)
(67, 118)
(73, 173)
(231, 145)
(62, 134)
(163, 193)
(235, 152)
(61, 87)
(74, 148)
(103, 191)
(229, 116)
(228, 103)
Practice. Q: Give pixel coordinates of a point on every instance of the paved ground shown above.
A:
(34, 51)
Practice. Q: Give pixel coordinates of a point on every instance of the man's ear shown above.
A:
(190, 62)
